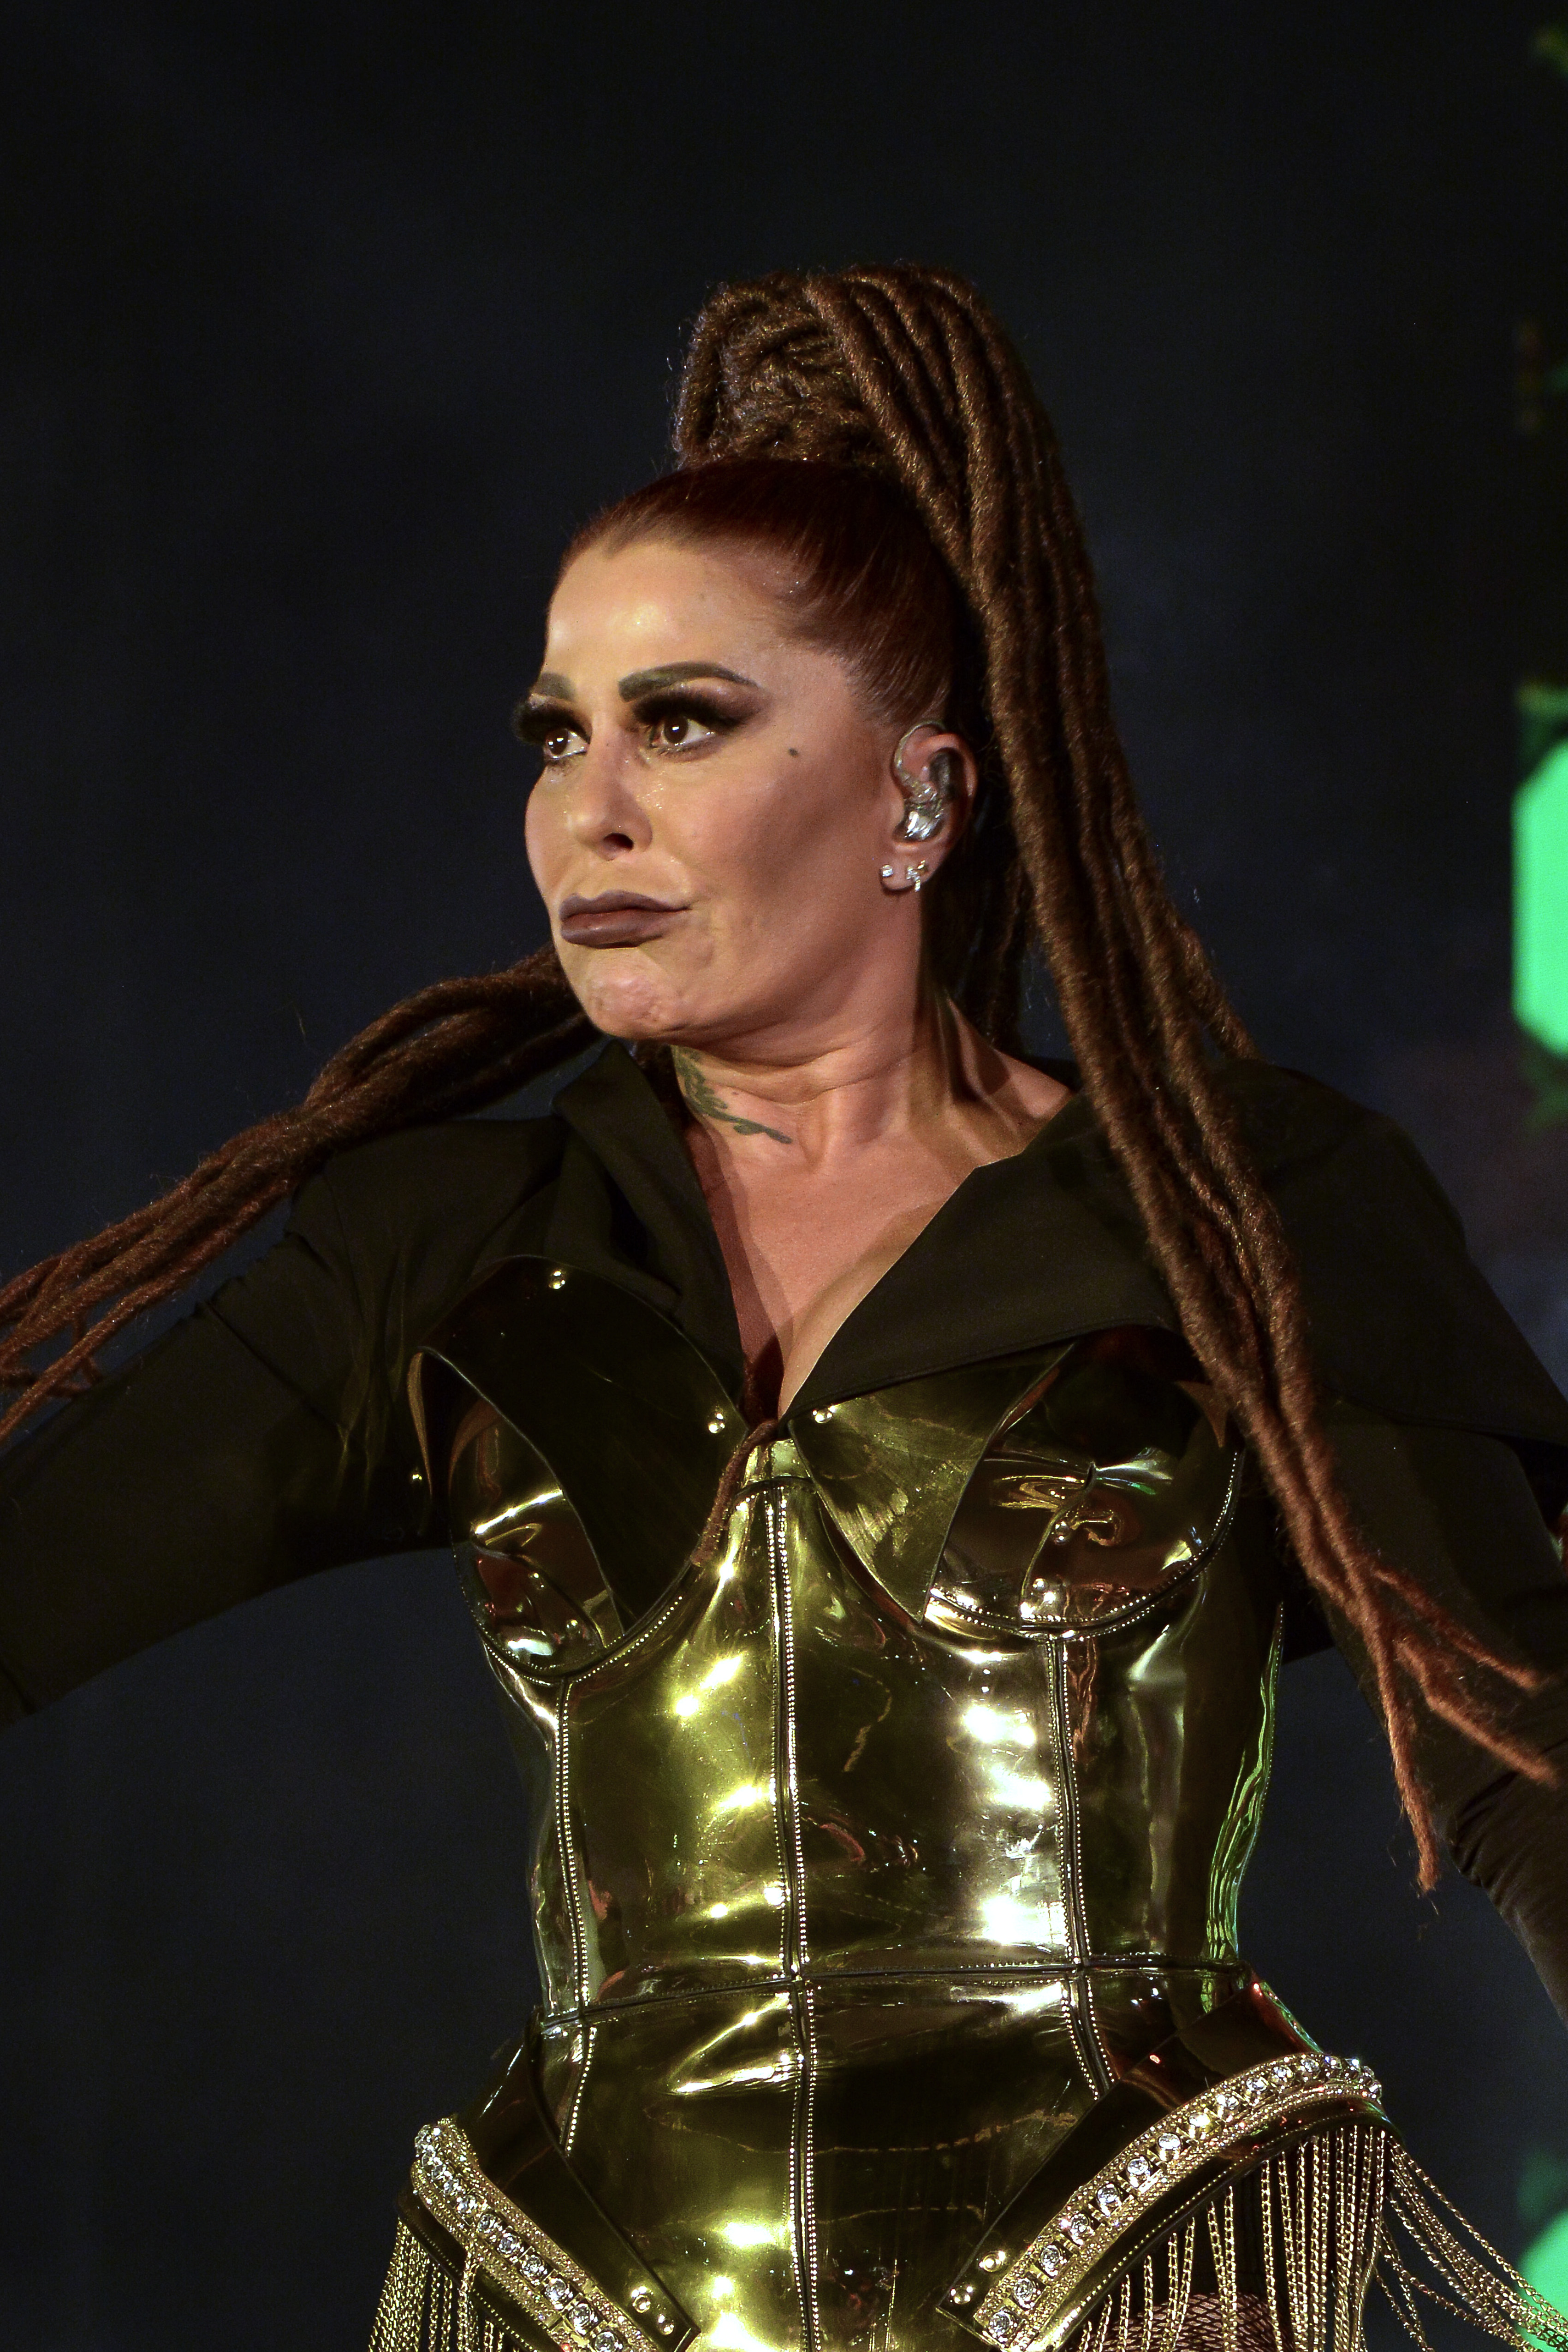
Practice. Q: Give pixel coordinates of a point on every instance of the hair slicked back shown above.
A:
(855, 572)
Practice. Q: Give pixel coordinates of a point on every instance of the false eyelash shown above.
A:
(679, 702)
(532, 721)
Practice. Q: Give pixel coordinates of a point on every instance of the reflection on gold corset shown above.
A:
(876, 1852)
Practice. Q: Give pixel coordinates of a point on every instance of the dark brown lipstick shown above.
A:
(619, 918)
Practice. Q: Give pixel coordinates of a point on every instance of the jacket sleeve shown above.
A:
(1456, 1508)
(254, 1442)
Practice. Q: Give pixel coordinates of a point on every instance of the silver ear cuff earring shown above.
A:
(913, 877)
(926, 796)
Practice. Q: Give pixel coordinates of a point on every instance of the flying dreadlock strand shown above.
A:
(451, 1048)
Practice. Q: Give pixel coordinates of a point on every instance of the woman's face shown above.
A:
(716, 807)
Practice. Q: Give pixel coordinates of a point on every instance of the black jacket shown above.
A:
(268, 1434)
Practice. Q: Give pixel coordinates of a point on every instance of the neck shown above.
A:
(887, 1077)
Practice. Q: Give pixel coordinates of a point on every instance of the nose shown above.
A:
(602, 810)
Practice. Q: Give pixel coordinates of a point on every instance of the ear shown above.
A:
(934, 779)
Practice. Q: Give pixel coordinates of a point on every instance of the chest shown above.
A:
(802, 1251)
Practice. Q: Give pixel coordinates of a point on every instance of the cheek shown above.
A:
(803, 836)
(544, 837)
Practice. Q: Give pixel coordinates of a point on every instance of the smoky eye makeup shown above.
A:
(710, 710)
(548, 723)
(535, 719)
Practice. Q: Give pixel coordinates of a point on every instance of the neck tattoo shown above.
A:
(701, 1100)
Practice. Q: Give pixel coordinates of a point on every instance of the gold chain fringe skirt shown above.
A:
(1279, 2260)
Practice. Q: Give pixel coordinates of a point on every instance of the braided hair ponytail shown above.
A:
(905, 372)
(897, 385)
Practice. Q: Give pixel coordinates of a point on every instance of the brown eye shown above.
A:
(561, 743)
(677, 730)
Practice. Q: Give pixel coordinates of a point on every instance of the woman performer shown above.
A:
(885, 1473)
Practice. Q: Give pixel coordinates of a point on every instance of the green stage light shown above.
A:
(1540, 901)
(1545, 2265)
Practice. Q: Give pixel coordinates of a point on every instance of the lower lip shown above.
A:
(617, 927)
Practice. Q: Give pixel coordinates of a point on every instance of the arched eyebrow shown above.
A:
(550, 686)
(638, 682)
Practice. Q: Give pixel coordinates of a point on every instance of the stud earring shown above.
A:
(913, 877)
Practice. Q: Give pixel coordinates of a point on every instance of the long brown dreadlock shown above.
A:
(902, 376)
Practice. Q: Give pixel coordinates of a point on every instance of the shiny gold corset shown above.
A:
(878, 1837)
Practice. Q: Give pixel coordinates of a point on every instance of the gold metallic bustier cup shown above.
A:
(928, 1707)
(872, 1851)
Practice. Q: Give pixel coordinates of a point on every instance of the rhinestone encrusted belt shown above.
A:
(499, 2239)
(1035, 2297)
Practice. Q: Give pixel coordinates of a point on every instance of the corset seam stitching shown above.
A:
(1097, 2060)
(549, 1679)
(793, 1928)
(1132, 1613)
(764, 1502)
(569, 1862)
(808, 2155)
(790, 1774)
(1120, 1621)
(1010, 1972)
(590, 2035)
(1074, 1936)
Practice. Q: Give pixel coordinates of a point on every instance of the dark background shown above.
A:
(323, 326)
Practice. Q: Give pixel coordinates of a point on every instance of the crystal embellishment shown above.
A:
(1025, 2298)
(564, 2302)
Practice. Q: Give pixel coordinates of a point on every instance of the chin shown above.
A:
(633, 1003)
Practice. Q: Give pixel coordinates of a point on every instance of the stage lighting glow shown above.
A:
(1546, 2263)
(1540, 901)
